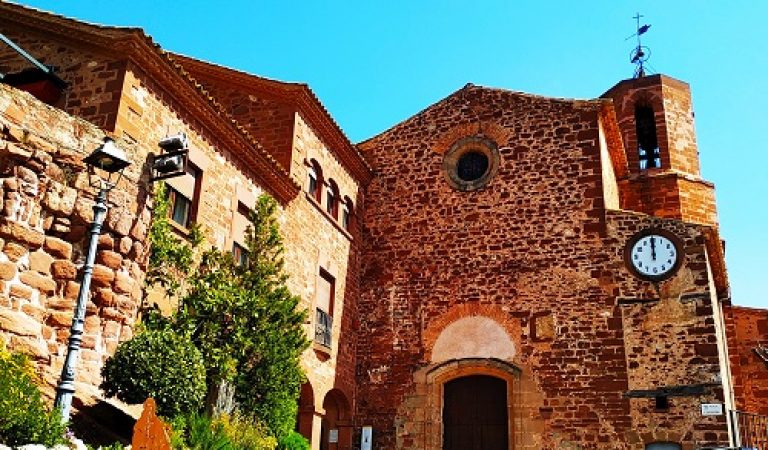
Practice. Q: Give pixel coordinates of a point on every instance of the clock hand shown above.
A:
(653, 248)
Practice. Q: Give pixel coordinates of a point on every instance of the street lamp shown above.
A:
(111, 160)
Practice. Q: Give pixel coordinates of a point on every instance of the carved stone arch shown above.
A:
(494, 313)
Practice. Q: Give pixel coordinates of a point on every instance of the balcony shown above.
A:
(323, 327)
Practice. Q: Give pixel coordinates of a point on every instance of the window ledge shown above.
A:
(182, 231)
(322, 352)
(330, 218)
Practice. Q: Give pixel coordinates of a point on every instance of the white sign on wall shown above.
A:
(366, 439)
(333, 436)
(711, 409)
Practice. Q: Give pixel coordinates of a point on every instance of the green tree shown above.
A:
(242, 318)
(248, 325)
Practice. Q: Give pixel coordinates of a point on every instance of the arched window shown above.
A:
(314, 179)
(647, 139)
(346, 213)
(332, 199)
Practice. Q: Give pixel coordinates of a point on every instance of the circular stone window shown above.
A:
(471, 162)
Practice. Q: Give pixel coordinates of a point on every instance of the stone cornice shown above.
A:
(138, 48)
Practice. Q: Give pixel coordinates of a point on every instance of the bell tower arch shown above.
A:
(655, 116)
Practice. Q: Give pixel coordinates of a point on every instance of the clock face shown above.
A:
(653, 256)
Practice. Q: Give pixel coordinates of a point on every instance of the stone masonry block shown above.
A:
(40, 261)
(64, 269)
(102, 276)
(19, 323)
(42, 283)
(7, 270)
(12, 230)
(14, 251)
(57, 248)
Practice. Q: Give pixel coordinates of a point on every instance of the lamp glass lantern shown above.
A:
(109, 158)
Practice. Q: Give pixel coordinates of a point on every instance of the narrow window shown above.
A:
(647, 140)
(332, 199)
(346, 214)
(240, 223)
(183, 195)
(239, 254)
(324, 299)
(312, 183)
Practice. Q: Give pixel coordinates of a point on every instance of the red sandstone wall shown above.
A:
(269, 120)
(675, 190)
(46, 205)
(95, 79)
(749, 331)
(536, 252)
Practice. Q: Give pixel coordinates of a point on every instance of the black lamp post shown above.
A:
(112, 161)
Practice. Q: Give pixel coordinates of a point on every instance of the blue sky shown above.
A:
(374, 64)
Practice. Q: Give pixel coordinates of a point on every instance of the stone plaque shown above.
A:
(711, 409)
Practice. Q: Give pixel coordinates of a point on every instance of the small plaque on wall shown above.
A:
(333, 436)
(366, 438)
(711, 409)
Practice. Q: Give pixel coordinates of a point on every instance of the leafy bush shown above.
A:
(293, 441)
(198, 432)
(245, 433)
(23, 417)
(160, 364)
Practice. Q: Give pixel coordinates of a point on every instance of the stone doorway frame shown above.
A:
(437, 376)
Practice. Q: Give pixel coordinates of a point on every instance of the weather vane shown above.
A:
(640, 54)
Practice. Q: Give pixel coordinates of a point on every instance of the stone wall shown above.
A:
(94, 77)
(749, 336)
(674, 190)
(536, 252)
(269, 120)
(46, 208)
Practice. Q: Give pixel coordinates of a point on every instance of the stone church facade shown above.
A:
(471, 274)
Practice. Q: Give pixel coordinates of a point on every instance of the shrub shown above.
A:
(293, 441)
(246, 433)
(159, 364)
(23, 417)
(198, 432)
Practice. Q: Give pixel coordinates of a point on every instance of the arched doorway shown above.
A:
(336, 427)
(475, 413)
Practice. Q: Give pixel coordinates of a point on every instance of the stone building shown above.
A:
(500, 271)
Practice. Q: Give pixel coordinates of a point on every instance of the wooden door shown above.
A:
(475, 414)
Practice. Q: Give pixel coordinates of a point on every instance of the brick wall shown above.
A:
(269, 120)
(94, 78)
(750, 332)
(535, 251)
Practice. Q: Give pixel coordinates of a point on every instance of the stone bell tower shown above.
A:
(656, 121)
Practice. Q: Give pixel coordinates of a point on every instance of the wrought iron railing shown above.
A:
(750, 431)
(323, 327)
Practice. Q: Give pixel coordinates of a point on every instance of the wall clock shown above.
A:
(653, 254)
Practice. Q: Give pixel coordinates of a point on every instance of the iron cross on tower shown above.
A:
(640, 54)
